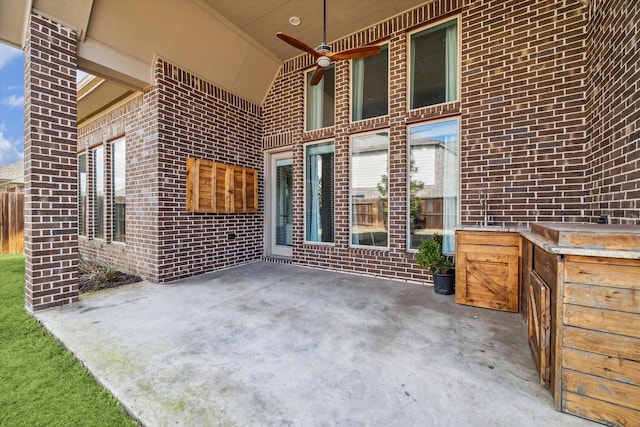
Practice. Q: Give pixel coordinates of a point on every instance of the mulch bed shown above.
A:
(87, 284)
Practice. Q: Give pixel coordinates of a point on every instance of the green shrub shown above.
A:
(430, 256)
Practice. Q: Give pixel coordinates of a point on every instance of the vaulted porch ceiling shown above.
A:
(231, 43)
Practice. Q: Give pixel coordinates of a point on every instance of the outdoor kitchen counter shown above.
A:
(600, 240)
(578, 286)
(581, 288)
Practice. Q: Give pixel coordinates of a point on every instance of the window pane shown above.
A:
(284, 202)
(371, 86)
(433, 184)
(320, 100)
(434, 65)
(119, 159)
(369, 189)
(98, 193)
(319, 192)
(82, 194)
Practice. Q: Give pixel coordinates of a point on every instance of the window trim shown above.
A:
(351, 86)
(84, 153)
(304, 191)
(112, 190)
(94, 195)
(306, 93)
(458, 118)
(432, 24)
(351, 138)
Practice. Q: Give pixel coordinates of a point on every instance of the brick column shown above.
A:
(50, 154)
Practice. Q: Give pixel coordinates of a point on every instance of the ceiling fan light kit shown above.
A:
(323, 61)
(323, 55)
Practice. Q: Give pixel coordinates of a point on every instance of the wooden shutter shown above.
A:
(251, 190)
(200, 181)
(221, 188)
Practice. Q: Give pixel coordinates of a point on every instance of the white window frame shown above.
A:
(351, 86)
(306, 94)
(351, 138)
(94, 193)
(304, 169)
(459, 61)
(86, 235)
(408, 183)
(112, 190)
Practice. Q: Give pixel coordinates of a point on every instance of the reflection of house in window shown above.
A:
(428, 215)
(119, 189)
(369, 189)
(98, 192)
(433, 182)
(82, 194)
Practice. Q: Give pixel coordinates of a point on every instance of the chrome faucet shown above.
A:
(485, 207)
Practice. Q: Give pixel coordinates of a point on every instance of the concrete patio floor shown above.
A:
(271, 344)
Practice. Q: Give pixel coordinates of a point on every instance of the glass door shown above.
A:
(281, 204)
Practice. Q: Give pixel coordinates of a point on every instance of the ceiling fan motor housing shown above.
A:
(323, 48)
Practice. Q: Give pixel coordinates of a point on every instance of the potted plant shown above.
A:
(430, 257)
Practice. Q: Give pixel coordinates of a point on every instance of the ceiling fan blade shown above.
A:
(297, 44)
(355, 53)
(317, 75)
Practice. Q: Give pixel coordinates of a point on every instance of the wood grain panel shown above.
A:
(627, 300)
(220, 188)
(489, 238)
(602, 343)
(613, 272)
(615, 392)
(487, 272)
(613, 368)
(11, 223)
(489, 249)
(546, 265)
(539, 325)
(598, 410)
(615, 322)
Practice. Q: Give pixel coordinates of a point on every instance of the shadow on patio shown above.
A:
(272, 344)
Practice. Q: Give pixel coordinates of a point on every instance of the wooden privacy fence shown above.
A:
(11, 223)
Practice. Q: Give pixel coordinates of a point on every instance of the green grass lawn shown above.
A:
(41, 384)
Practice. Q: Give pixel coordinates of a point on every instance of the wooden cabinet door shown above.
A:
(220, 188)
(539, 324)
(488, 280)
(200, 184)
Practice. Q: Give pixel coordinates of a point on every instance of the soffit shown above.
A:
(72, 13)
(231, 43)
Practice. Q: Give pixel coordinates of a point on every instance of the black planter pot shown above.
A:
(444, 284)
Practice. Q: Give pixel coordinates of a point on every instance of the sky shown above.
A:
(11, 104)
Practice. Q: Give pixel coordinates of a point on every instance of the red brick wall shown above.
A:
(182, 116)
(523, 106)
(521, 109)
(136, 120)
(51, 241)
(197, 119)
(613, 143)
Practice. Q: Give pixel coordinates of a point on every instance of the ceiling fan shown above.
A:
(323, 55)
